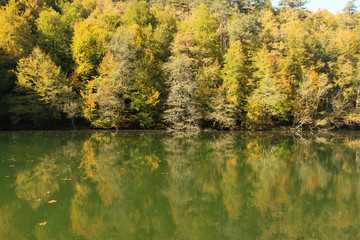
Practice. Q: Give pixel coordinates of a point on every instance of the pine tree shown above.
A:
(298, 4)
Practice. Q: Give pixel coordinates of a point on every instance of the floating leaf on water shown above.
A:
(39, 200)
(11, 165)
(66, 179)
(42, 224)
(52, 201)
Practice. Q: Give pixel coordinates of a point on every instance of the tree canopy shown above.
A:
(179, 64)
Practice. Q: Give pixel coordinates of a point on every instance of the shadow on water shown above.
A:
(158, 185)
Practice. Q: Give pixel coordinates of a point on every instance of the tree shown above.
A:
(103, 99)
(250, 6)
(16, 39)
(235, 85)
(163, 34)
(139, 73)
(198, 37)
(264, 103)
(182, 112)
(350, 8)
(244, 27)
(312, 95)
(76, 11)
(88, 46)
(298, 4)
(54, 37)
(272, 97)
(139, 13)
(41, 81)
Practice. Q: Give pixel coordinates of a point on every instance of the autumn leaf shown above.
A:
(52, 201)
(42, 224)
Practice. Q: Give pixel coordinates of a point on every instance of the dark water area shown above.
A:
(157, 185)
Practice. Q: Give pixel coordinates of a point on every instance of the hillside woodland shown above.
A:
(180, 64)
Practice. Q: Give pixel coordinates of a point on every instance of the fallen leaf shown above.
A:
(42, 224)
(39, 200)
(52, 201)
(11, 165)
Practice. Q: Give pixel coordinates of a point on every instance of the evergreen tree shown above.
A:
(350, 8)
(293, 3)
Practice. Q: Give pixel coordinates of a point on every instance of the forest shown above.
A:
(178, 64)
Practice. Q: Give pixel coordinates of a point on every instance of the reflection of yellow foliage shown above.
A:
(34, 184)
(152, 161)
(153, 97)
(83, 222)
(7, 230)
(232, 195)
(233, 161)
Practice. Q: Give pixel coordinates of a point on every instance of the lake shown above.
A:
(158, 185)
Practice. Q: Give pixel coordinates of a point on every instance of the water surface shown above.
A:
(156, 185)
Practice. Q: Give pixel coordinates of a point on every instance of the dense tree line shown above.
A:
(179, 64)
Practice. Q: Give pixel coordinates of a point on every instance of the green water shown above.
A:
(154, 185)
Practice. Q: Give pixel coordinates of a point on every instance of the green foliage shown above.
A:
(76, 11)
(54, 36)
(103, 99)
(15, 32)
(244, 27)
(235, 86)
(138, 12)
(138, 72)
(293, 3)
(42, 89)
(266, 102)
(350, 7)
(250, 6)
(246, 64)
(88, 46)
(198, 36)
(163, 34)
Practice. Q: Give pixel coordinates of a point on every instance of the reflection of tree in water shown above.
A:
(210, 185)
(116, 192)
(9, 230)
(307, 191)
(97, 185)
(35, 184)
(192, 187)
(235, 181)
